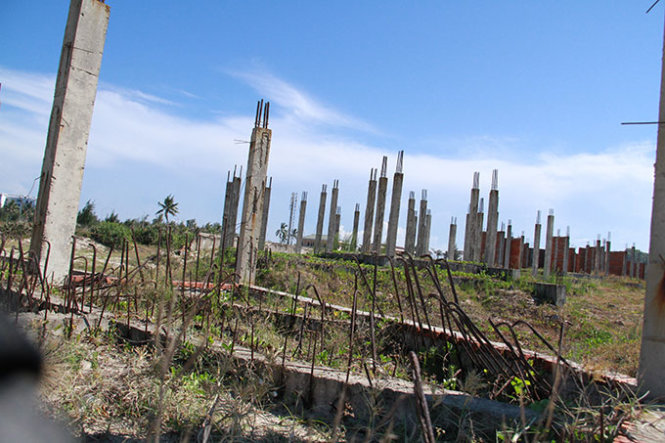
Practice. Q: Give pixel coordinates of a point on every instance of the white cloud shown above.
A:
(140, 150)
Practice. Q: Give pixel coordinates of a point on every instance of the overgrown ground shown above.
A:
(107, 388)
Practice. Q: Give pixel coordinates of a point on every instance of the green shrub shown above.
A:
(110, 233)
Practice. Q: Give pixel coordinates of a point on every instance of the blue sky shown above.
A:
(535, 89)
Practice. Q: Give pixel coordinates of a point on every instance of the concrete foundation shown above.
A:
(395, 200)
(369, 212)
(320, 219)
(330, 239)
(380, 207)
(255, 183)
(67, 141)
(301, 222)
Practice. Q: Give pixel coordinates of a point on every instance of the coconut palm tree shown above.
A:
(167, 207)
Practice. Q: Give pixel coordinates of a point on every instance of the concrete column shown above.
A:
(536, 247)
(338, 218)
(292, 215)
(411, 225)
(354, 235)
(330, 239)
(301, 222)
(319, 221)
(67, 139)
(252, 207)
(233, 208)
(478, 240)
(369, 212)
(264, 217)
(471, 224)
(395, 200)
(228, 196)
(428, 227)
(501, 244)
(451, 238)
(566, 249)
(548, 244)
(633, 254)
(509, 241)
(596, 257)
(422, 225)
(607, 253)
(380, 206)
(652, 354)
(492, 220)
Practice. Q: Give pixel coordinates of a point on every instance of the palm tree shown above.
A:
(167, 207)
(282, 233)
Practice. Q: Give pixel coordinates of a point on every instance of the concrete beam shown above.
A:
(67, 140)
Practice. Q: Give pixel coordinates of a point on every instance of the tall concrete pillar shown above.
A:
(292, 216)
(228, 195)
(231, 201)
(234, 207)
(264, 217)
(451, 238)
(353, 244)
(369, 212)
(548, 244)
(492, 220)
(607, 253)
(319, 221)
(422, 226)
(395, 200)
(428, 227)
(330, 239)
(67, 139)
(507, 248)
(633, 255)
(566, 251)
(478, 240)
(411, 225)
(301, 222)
(652, 354)
(338, 219)
(501, 244)
(536, 247)
(252, 207)
(597, 256)
(471, 224)
(380, 206)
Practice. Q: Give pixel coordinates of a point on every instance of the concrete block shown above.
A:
(550, 293)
